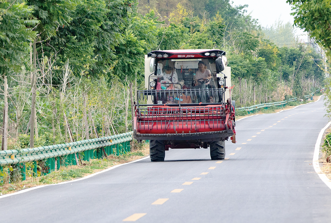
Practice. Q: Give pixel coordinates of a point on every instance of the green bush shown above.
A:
(241, 113)
(327, 145)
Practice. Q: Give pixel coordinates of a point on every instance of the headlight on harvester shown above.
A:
(152, 84)
(221, 82)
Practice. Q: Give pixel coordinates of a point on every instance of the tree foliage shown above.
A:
(314, 17)
(94, 50)
(14, 35)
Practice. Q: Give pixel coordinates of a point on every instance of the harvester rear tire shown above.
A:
(156, 150)
(217, 150)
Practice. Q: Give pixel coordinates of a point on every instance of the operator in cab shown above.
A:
(168, 77)
(202, 74)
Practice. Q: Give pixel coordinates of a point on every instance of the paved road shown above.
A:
(270, 179)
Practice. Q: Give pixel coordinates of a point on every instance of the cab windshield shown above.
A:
(186, 73)
(196, 76)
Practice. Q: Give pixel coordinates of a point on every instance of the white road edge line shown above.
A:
(72, 181)
(316, 157)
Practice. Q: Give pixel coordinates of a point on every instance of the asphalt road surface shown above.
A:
(268, 177)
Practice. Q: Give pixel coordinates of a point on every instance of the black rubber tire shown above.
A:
(217, 150)
(156, 150)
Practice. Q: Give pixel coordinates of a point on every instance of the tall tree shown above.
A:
(14, 37)
(314, 17)
(52, 14)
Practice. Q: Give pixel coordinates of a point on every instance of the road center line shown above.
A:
(187, 183)
(244, 143)
(253, 136)
(249, 139)
(135, 217)
(177, 190)
(239, 148)
(196, 178)
(231, 154)
(212, 167)
(219, 162)
(160, 201)
(258, 133)
(204, 173)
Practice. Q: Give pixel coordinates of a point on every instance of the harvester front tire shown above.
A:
(217, 150)
(156, 150)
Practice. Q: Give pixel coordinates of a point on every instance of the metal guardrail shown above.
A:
(66, 154)
(279, 104)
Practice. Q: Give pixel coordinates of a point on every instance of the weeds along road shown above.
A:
(269, 177)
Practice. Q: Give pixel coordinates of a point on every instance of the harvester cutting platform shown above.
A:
(187, 103)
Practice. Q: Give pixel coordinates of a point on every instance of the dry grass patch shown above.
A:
(326, 169)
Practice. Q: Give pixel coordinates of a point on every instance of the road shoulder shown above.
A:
(322, 168)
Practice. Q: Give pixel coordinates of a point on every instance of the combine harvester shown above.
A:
(187, 104)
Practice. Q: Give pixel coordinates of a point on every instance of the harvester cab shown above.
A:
(187, 102)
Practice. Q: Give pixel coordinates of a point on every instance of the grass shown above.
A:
(74, 172)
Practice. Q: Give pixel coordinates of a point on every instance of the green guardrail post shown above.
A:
(111, 149)
(9, 175)
(126, 147)
(23, 171)
(50, 165)
(58, 163)
(35, 170)
(92, 153)
(53, 164)
(117, 150)
(74, 159)
(47, 167)
(66, 160)
(85, 156)
(1, 177)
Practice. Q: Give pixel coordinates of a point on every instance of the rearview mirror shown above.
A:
(151, 65)
(219, 64)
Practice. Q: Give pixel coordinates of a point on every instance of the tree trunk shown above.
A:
(126, 109)
(33, 99)
(5, 117)
(240, 95)
(91, 122)
(35, 124)
(132, 106)
(17, 124)
(254, 96)
(85, 118)
(53, 121)
(70, 135)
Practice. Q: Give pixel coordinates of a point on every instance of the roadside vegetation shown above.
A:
(70, 77)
